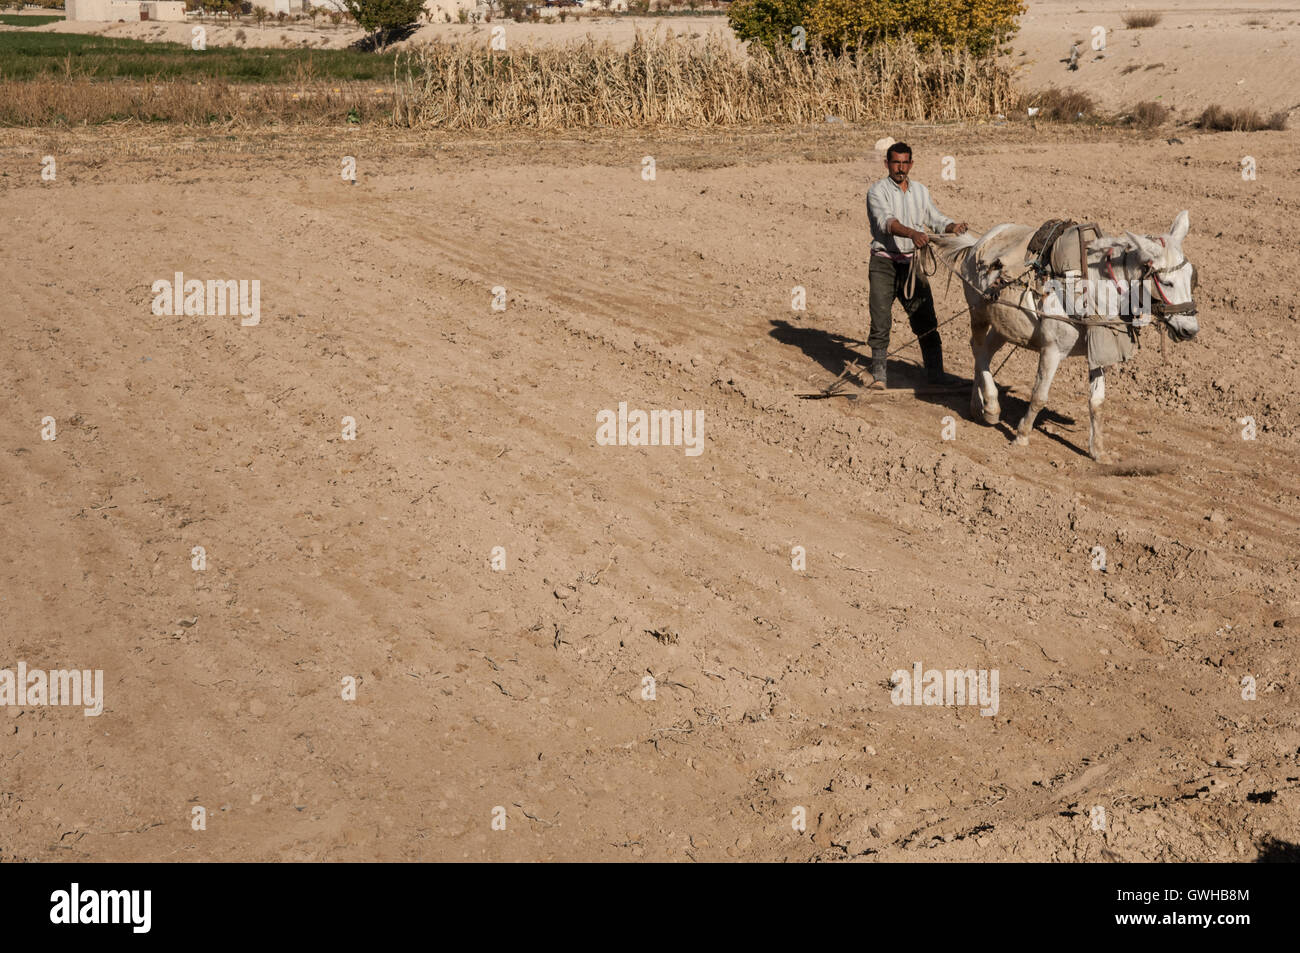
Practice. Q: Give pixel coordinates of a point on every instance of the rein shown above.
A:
(909, 286)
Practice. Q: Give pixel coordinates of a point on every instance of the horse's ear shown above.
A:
(1149, 250)
(1178, 231)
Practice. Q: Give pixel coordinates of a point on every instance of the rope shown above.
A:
(920, 256)
(960, 311)
(1014, 348)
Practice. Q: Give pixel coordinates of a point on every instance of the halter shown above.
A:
(1161, 307)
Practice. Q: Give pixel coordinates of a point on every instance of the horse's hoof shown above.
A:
(991, 417)
(1106, 457)
(1022, 441)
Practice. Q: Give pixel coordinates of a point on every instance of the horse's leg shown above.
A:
(984, 344)
(978, 334)
(992, 409)
(1049, 358)
(1096, 396)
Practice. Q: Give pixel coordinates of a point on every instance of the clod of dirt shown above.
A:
(665, 636)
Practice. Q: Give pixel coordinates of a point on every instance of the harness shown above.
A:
(1163, 307)
(1039, 265)
(926, 262)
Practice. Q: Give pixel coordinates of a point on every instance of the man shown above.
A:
(899, 211)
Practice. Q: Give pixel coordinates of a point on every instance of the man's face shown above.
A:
(898, 166)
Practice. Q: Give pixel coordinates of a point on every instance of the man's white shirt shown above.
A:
(913, 208)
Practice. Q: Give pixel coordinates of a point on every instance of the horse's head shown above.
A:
(1170, 278)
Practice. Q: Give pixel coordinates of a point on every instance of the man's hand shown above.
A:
(919, 238)
(956, 228)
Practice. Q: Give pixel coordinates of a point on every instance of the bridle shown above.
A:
(1161, 307)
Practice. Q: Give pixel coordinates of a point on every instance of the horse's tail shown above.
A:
(953, 250)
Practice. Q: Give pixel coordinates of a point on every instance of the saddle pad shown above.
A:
(1065, 253)
(1107, 346)
(1046, 235)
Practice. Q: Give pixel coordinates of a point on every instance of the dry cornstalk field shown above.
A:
(673, 82)
(656, 80)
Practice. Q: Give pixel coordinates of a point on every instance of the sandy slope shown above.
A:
(1197, 55)
(522, 688)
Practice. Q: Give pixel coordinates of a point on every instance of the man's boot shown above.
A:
(878, 357)
(932, 357)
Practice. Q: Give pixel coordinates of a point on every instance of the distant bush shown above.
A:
(1218, 119)
(1148, 115)
(1062, 104)
(1141, 20)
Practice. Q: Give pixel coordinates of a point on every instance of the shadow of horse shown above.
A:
(835, 352)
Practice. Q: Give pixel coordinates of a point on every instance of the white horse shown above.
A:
(1154, 272)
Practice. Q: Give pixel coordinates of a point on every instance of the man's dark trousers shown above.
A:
(888, 279)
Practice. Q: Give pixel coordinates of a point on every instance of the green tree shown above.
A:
(382, 17)
(979, 25)
(770, 22)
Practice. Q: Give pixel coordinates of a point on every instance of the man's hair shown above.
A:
(898, 148)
